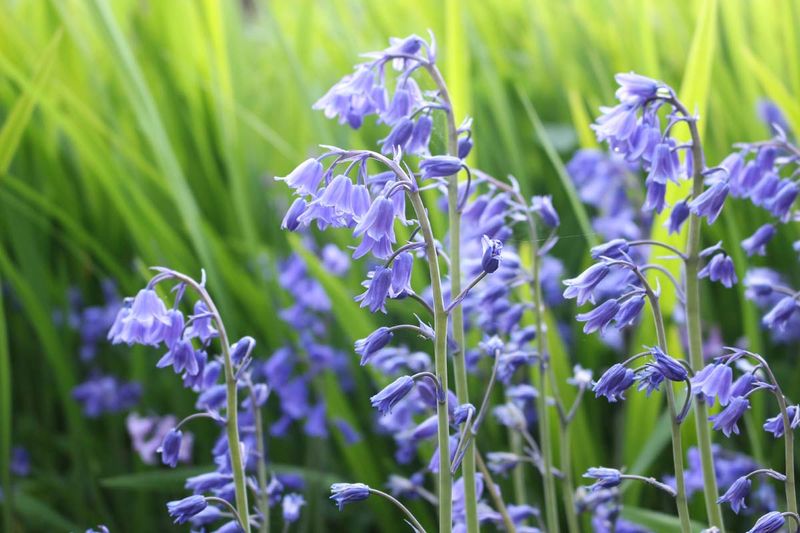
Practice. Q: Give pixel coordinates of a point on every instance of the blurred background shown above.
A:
(141, 132)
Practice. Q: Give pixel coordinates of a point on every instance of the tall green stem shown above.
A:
(788, 435)
(440, 363)
(694, 328)
(457, 314)
(677, 446)
(263, 497)
(232, 407)
(551, 505)
(567, 488)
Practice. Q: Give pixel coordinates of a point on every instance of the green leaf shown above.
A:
(658, 522)
(41, 516)
(20, 114)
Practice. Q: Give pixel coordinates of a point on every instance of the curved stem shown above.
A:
(229, 506)
(496, 498)
(263, 497)
(677, 447)
(440, 363)
(788, 436)
(568, 489)
(411, 518)
(694, 327)
(649, 242)
(551, 506)
(651, 481)
(232, 418)
(457, 315)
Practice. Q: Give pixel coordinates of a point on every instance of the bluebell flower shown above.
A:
(772, 116)
(727, 419)
(766, 189)
(543, 205)
(720, 268)
(501, 462)
(241, 349)
(181, 357)
(377, 289)
(344, 493)
(614, 382)
(182, 510)
(779, 316)
(425, 429)
(606, 477)
(629, 310)
(420, 136)
(771, 522)
(201, 326)
(403, 101)
(664, 164)
(582, 286)
(612, 249)
(616, 124)
(508, 364)
(756, 243)
(143, 323)
(680, 212)
(369, 346)
(20, 462)
(106, 394)
(714, 381)
(461, 413)
(743, 384)
(709, 203)
(655, 199)
(349, 434)
(401, 274)
(635, 87)
(464, 147)
(291, 505)
(650, 379)
(490, 260)
(439, 166)
(171, 447)
(736, 494)
(781, 203)
(388, 397)
(290, 219)
(305, 179)
(510, 416)
(377, 227)
(600, 317)
(174, 331)
(775, 424)
(668, 366)
(207, 482)
(399, 135)
(213, 398)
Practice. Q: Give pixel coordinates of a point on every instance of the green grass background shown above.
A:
(144, 132)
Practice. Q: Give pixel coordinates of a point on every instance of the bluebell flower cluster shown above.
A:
(239, 452)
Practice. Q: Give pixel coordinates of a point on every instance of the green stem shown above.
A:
(263, 497)
(788, 435)
(457, 314)
(551, 505)
(567, 489)
(440, 362)
(677, 446)
(232, 412)
(496, 498)
(411, 518)
(694, 328)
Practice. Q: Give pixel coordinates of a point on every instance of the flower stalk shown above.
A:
(457, 314)
(694, 326)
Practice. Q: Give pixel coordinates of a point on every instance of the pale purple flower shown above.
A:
(757, 242)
